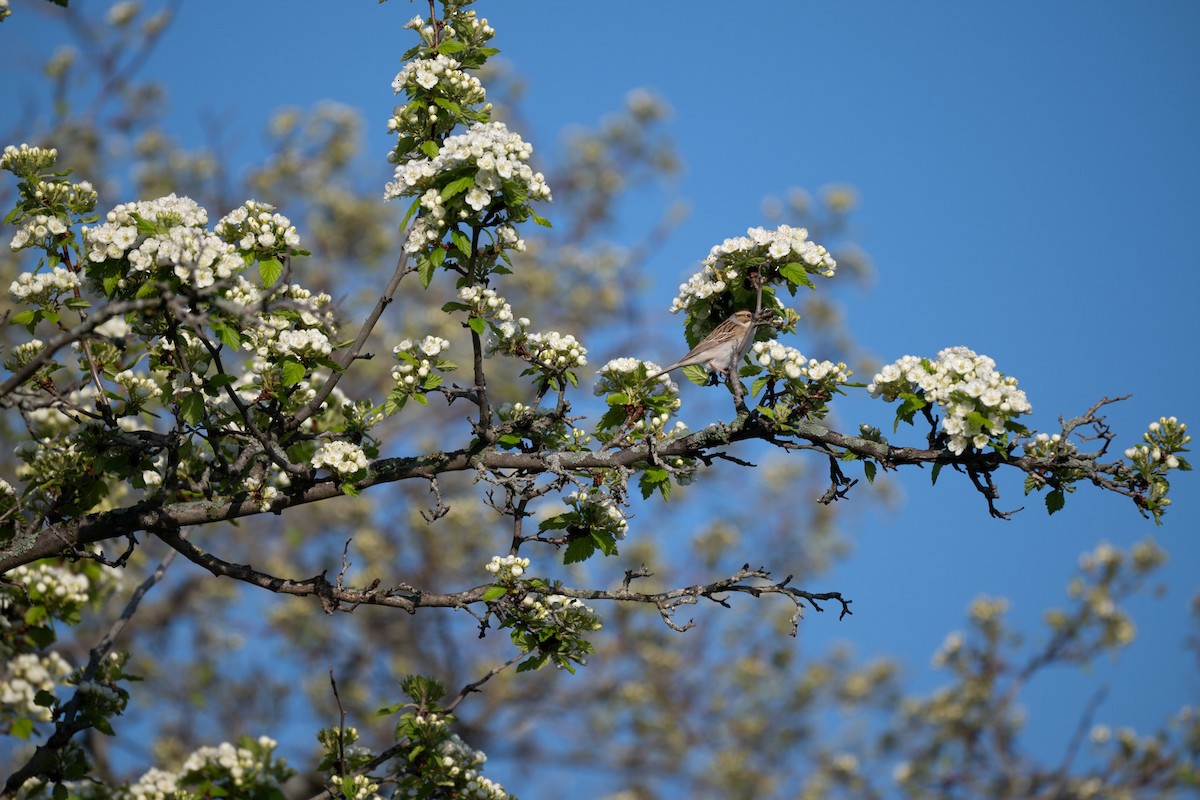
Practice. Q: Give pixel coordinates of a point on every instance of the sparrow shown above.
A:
(722, 349)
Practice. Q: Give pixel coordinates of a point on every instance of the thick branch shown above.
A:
(70, 535)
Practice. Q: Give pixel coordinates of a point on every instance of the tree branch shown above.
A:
(29, 545)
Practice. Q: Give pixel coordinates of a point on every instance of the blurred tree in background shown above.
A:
(181, 398)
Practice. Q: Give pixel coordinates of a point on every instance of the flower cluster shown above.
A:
(979, 403)
(807, 384)
(558, 606)
(785, 252)
(44, 288)
(41, 230)
(256, 228)
(459, 24)
(418, 371)
(421, 75)
(1046, 445)
(492, 157)
(101, 698)
(124, 256)
(537, 429)
(622, 374)
(112, 239)
(27, 674)
(1163, 439)
(780, 361)
(138, 388)
(484, 303)
(635, 405)
(599, 511)
(555, 351)
(23, 353)
(240, 770)
(550, 627)
(297, 326)
(305, 344)
(507, 568)
(195, 256)
(55, 587)
(341, 458)
(262, 494)
(26, 161)
(440, 92)
(451, 762)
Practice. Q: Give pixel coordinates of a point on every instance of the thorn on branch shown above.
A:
(982, 479)
(119, 562)
(630, 574)
(441, 509)
(839, 484)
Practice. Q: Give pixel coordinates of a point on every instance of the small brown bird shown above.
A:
(722, 349)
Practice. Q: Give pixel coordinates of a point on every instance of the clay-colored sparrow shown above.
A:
(722, 349)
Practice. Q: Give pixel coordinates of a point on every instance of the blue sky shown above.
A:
(1027, 174)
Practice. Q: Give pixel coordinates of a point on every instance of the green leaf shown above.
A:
(412, 209)
(655, 478)
(612, 418)
(77, 303)
(147, 289)
(269, 271)
(437, 257)
(25, 317)
(42, 637)
(530, 664)
(293, 373)
(453, 306)
(696, 374)
(795, 274)
(425, 272)
(558, 522)
(1055, 500)
(540, 220)
(578, 550)
(22, 728)
(450, 46)
(191, 408)
(937, 470)
(457, 187)
(477, 324)
(869, 468)
(460, 241)
(395, 401)
(44, 699)
(451, 106)
(605, 542)
(228, 335)
(617, 399)
(493, 593)
(430, 148)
